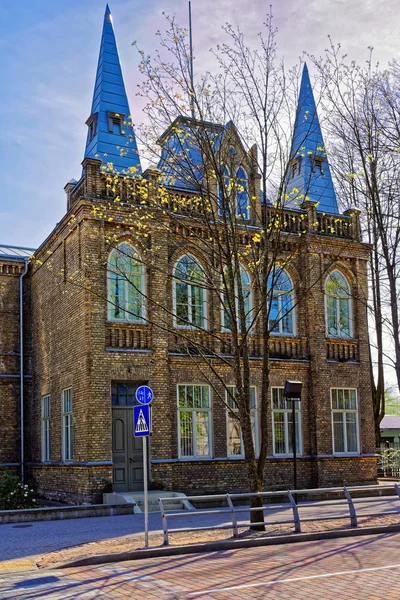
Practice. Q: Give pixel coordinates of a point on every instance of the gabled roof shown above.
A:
(105, 142)
(308, 147)
(15, 252)
(181, 161)
(390, 422)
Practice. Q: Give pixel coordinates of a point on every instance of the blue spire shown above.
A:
(109, 139)
(309, 171)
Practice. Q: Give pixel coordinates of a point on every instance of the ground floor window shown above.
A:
(46, 429)
(67, 424)
(194, 420)
(234, 430)
(344, 421)
(282, 424)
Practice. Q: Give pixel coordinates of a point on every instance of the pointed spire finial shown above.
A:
(309, 172)
(110, 136)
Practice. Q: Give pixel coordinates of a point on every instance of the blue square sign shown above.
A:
(141, 420)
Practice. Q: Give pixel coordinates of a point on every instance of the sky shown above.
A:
(49, 52)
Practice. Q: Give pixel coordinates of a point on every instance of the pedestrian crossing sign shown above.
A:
(141, 420)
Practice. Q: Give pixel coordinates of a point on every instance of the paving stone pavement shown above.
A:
(362, 568)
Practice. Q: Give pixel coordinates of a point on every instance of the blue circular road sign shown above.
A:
(144, 394)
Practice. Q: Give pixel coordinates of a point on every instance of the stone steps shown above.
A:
(137, 499)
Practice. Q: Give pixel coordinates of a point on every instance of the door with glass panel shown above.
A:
(127, 450)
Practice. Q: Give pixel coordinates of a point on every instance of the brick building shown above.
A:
(89, 339)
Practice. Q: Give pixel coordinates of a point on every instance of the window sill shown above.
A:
(283, 334)
(125, 322)
(200, 328)
(345, 454)
(341, 338)
(193, 458)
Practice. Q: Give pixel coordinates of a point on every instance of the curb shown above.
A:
(224, 545)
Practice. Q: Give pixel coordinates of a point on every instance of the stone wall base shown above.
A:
(72, 484)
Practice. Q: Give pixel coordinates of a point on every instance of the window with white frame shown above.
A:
(338, 306)
(234, 196)
(46, 429)
(234, 431)
(281, 302)
(242, 193)
(194, 420)
(224, 191)
(282, 424)
(344, 420)
(189, 293)
(229, 310)
(67, 424)
(126, 284)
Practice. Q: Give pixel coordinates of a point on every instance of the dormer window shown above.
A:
(294, 168)
(318, 163)
(115, 122)
(92, 126)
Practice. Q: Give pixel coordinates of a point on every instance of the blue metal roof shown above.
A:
(181, 162)
(15, 252)
(310, 180)
(106, 141)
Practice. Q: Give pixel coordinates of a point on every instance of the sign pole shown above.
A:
(142, 428)
(145, 500)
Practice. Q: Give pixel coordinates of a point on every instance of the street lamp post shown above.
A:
(292, 392)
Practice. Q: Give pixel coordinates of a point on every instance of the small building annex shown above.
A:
(90, 337)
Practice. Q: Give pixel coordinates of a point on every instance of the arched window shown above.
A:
(223, 193)
(189, 293)
(126, 284)
(242, 193)
(227, 312)
(338, 306)
(281, 302)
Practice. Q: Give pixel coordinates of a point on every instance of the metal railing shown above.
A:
(348, 501)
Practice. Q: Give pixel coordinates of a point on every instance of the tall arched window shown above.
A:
(126, 284)
(242, 193)
(227, 312)
(281, 302)
(189, 293)
(223, 193)
(338, 306)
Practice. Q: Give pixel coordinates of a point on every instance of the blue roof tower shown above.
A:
(110, 138)
(309, 175)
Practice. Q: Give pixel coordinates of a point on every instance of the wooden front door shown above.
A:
(127, 452)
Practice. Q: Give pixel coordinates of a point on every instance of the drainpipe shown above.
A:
(21, 367)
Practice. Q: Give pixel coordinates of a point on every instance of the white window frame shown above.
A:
(255, 432)
(127, 318)
(249, 315)
(46, 428)
(194, 410)
(339, 335)
(222, 167)
(67, 425)
(190, 326)
(299, 429)
(293, 312)
(345, 411)
(245, 217)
